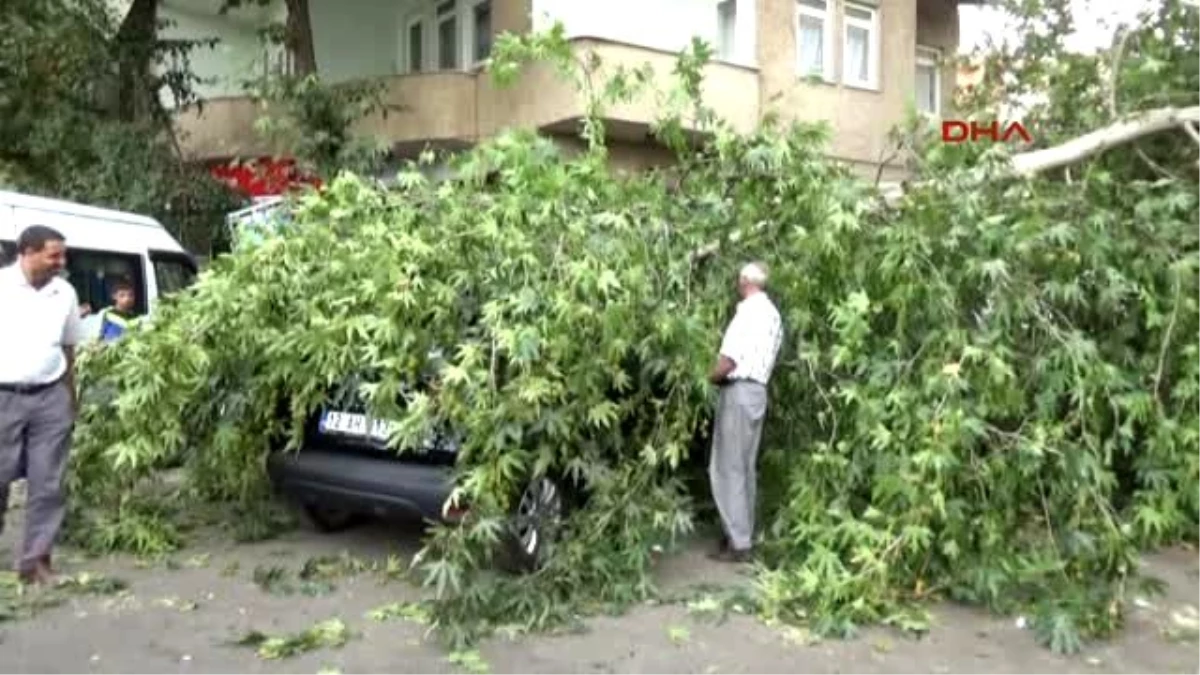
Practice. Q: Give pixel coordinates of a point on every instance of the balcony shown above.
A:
(543, 99)
(457, 108)
(220, 128)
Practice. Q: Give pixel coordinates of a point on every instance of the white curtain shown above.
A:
(857, 52)
(812, 45)
(926, 81)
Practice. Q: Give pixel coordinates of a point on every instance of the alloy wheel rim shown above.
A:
(540, 506)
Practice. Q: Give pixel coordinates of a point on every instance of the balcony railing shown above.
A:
(464, 106)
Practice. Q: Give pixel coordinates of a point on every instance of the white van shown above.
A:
(102, 246)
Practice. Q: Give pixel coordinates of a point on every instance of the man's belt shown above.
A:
(744, 380)
(26, 388)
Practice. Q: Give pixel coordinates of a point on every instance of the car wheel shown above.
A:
(535, 525)
(328, 519)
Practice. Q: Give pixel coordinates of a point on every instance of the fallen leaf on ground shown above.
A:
(409, 611)
(470, 660)
(678, 634)
(1185, 624)
(328, 633)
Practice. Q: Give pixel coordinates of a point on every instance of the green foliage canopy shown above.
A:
(989, 394)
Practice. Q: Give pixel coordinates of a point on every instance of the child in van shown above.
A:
(115, 319)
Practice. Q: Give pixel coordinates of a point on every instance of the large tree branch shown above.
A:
(1087, 145)
(1037, 161)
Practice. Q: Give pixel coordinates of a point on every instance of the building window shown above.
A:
(447, 36)
(812, 39)
(483, 31)
(928, 89)
(860, 60)
(726, 23)
(416, 46)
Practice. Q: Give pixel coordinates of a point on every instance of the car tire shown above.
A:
(535, 525)
(329, 519)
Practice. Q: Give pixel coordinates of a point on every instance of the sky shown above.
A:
(1095, 21)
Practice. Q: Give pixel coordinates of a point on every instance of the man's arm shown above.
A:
(69, 377)
(731, 346)
(721, 371)
(72, 335)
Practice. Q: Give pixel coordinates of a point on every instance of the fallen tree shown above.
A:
(987, 394)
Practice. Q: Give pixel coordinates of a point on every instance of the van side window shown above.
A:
(8, 253)
(173, 271)
(93, 274)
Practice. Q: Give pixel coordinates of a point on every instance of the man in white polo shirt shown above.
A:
(744, 366)
(37, 389)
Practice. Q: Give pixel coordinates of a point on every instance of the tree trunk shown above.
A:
(299, 38)
(135, 42)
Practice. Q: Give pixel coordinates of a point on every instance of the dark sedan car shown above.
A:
(344, 470)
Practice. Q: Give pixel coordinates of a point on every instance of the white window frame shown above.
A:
(418, 20)
(441, 18)
(826, 19)
(873, 38)
(930, 57)
(470, 27)
(727, 52)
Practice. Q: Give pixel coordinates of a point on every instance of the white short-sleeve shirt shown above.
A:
(37, 323)
(753, 338)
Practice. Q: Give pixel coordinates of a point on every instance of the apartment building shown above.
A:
(857, 64)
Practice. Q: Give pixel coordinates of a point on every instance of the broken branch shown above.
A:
(1191, 131)
(1093, 143)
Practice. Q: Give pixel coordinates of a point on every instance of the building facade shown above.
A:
(857, 64)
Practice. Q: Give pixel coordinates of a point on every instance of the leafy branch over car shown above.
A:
(987, 392)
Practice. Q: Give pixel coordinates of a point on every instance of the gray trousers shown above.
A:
(732, 469)
(35, 438)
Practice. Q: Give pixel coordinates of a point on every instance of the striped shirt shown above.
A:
(753, 338)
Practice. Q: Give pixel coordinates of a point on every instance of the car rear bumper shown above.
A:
(376, 486)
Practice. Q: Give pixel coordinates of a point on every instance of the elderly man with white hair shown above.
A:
(744, 365)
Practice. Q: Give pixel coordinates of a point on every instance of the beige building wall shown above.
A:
(454, 109)
(859, 119)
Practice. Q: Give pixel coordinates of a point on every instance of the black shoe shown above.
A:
(732, 555)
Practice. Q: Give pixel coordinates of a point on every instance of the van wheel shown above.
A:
(328, 519)
(535, 526)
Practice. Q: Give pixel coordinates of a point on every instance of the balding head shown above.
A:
(754, 273)
(752, 278)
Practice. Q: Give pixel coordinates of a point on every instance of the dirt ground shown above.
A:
(184, 617)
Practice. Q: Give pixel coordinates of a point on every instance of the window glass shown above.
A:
(448, 44)
(928, 82)
(926, 88)
(483, 31)
(812, 45)
(416, 47)
(858, 53)
(95, 273)
(859, 13)
(172, 272)
(726, 22)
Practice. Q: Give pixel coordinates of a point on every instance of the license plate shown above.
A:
(361, 426)
(354, 424)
